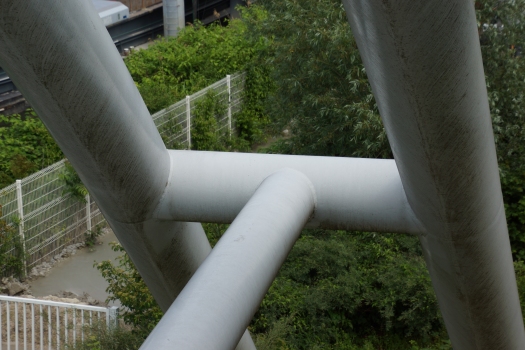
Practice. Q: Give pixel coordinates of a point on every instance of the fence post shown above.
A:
(188, 121)
(88, 213)
(229, 83)
(20, 204)
(111, 318)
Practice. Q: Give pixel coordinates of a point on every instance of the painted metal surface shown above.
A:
(43, 324)
(234, 278)
(174, 17)
(423, 60)
(76, 81)
(424, 63)
(353, 193)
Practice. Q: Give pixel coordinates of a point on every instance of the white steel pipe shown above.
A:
(424, 62)
(234, 278)
(63, 60)
(352, 193)
(174, 17)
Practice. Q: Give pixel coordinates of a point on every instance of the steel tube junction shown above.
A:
(352, 193)
(220, 300)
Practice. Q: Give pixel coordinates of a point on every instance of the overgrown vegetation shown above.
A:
(73, 186)
(140, 310)
(91, 237)
(25, 147)
(101, 338)
(12, 254)
(322, 91)
(502, 33)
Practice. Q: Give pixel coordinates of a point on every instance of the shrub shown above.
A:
(126, 285)
(25, 147)
(12, 254)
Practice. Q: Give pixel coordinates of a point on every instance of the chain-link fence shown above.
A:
(47, 220)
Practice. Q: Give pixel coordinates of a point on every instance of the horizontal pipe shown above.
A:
(424, 63)
(234, 278)
(352, 193)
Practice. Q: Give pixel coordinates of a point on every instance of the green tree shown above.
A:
(502, 34)
(126, 285)
(322, 93)
(11, 250)
(25, 147)
(200, 55)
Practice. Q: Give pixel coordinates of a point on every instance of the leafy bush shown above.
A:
(336, 285)
(502, 32)
(99, 337)
(206, 132)
(72, 184)
(25, 147)
(200, 55)
(126, 285)
(91, 237)
(205, 128)
(322, 93)
(12, 254)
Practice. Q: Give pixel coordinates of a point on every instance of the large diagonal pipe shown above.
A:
(64, 62)
(424, 62)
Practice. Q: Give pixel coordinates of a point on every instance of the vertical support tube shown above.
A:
(88, 213)
(234, 278)
(20, 205)
(229, 83)
(113, 314)
(195, 9)
(174, 17)
(188, 121)
(424, 63)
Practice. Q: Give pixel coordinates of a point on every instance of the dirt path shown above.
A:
(76, 274)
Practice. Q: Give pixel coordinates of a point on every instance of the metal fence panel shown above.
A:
(48, 220)
(41, 324)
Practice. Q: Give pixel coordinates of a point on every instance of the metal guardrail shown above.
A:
(40, 324)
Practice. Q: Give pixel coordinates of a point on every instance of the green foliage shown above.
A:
(502, 31)
(25, 147)
(11, 249)
(99, 337)
(214, 232)
(91, 237)
(336, 286)
(519, 267)
(205, 134)
(126, 285)
(73, 184)
(322, 93)
(199, 56)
